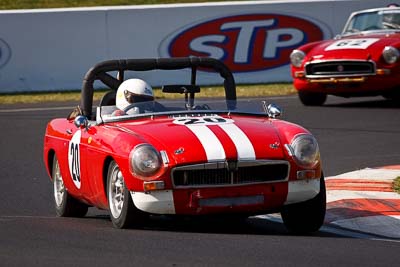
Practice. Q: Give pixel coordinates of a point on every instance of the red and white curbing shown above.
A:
(364, 201)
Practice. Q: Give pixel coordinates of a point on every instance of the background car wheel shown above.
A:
(306, 217)
(394, 95)
(312, 99)
(123, 212)
(66, 206)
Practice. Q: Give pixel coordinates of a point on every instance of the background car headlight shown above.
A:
(390, 54)
(145, 161)
(297, 57)
(305, 150)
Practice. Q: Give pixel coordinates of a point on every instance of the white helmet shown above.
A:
(131, 91)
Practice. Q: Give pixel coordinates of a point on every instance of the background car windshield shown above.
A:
(364, 21)
(378, 20)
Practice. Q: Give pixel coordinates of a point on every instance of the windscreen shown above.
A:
(175, 107)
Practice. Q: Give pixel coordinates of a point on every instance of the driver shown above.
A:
(132, 91)
(391, 20)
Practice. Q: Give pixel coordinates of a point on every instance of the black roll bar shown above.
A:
(99, 72)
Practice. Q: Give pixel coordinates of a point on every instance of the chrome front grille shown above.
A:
(321, 69)
(232, 173)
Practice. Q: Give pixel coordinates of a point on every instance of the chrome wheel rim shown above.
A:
(59, 188)
(116, 193)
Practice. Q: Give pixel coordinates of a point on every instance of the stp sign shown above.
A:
(245, 43)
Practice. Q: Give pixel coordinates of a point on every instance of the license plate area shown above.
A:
(231, 201)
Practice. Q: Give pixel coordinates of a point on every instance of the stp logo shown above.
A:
(245, 43)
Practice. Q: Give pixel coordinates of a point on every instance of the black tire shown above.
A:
(65, 204)
(122, 211)
(312, 99)
(306, 217)
(393, 95)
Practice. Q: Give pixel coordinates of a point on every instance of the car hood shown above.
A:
(210, 138)
(358, 47)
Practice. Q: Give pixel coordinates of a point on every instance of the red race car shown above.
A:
(135, 156)
(362, 61)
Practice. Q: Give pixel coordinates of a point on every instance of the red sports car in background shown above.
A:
(182, 156)
(362, 61)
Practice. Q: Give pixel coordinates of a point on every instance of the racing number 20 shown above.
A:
(212, 120)
(74, 153)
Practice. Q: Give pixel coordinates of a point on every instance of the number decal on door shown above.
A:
(74, 162)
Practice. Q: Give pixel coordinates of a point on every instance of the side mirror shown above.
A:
(272, 110)
(337, 37)
(81, 122)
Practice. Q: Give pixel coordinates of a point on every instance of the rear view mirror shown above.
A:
(181, 89)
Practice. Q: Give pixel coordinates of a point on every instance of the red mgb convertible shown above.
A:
(362, 61)
(135, 155)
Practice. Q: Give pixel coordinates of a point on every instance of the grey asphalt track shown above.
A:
(353, 134)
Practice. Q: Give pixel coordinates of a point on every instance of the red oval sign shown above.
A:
(245, 43)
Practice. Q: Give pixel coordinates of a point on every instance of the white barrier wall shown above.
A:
(52, 49)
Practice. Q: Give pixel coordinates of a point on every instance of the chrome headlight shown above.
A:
(145, 161)
(304, 148)
(297, 57)
(390, 54)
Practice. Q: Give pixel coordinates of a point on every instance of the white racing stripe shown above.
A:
(243, 145)
(211, 144)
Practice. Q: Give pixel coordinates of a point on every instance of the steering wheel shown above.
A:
(137, 110)
(389, 25)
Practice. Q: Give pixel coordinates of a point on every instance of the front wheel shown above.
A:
(65, 204)
(311, 98)
(123, 212)
(308, 216)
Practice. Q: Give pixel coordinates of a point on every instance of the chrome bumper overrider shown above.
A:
(302, 190)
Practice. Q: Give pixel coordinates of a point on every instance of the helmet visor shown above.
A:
(134, 98)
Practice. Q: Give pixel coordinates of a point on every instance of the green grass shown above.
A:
(396, 185)
(29, 4)
(254, 90)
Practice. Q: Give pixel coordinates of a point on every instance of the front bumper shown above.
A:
(254, 199)
(345, 77)
(371, 85)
